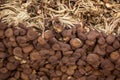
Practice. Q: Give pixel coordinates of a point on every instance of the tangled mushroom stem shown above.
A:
(100, 15)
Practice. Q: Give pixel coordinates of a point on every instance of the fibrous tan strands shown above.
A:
(96, 14)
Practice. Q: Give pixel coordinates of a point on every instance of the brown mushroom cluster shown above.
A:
(72, 54)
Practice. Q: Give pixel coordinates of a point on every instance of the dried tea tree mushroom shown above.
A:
(116, 44)
(107, 65)
(11, 59)
(115, 55)
(88, 68)
(109, 49)
(82, 36)
(67, 33)
(68, 53)
(99, 51)
(110, 39)
(3, 26)
(22, 26)
(9, 32)
(44, 78)
(81, 62)
(63, 68)
(11, 66)
(1, 34)
(58, 73)
(101, 40)
(53, 60)
(1, 64)
(22, 32)
(72, 61)
(92, 77)
(70, 71)
(81, 69)
(3, 70)
(35, 55)
(33, 76)
(81, 33)
(28, 49)
(32, 34)
(21, 39)
(73, 67)
(76, 42)
(117, 66)
(65, 59)
(93, 60)
(16, 32)
(5, 76)
(48, 34)
(18, 52)
(41, 41)
(27, 71)
(49, 66)
(64, 46)
(3, 55)
(77, 75)
(52, 40)
(92, 35)
(58, 54)
(24, 76)
(64, 77)
(90, 42)
(59, 40)
(56, 46)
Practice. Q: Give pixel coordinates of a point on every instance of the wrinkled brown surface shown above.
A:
(25, 55)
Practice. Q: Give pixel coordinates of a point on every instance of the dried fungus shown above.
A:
(76, 43)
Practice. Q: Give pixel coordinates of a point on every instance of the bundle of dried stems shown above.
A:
(102, 15)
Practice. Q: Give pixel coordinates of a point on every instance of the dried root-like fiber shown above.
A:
(42, 14)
